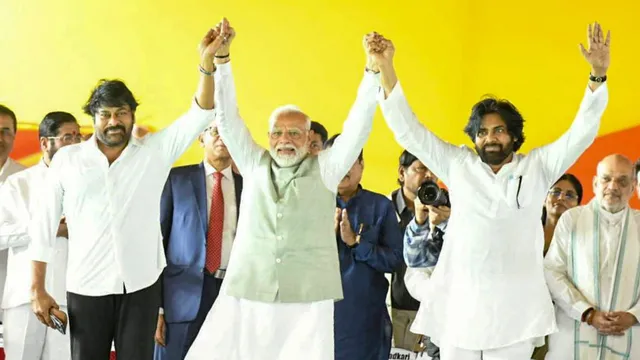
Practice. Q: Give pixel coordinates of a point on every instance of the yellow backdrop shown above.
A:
(449, 53)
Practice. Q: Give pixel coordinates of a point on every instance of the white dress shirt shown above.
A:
(112, 211)
(15, 214)
(488, 289)
(230, 208)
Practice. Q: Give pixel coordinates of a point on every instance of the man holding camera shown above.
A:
(487, 297)
(412, 173)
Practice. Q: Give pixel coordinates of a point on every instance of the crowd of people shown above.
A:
(279, 253)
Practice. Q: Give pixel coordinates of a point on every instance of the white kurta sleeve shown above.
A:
(558, 156)
(417, 282)
(336, 161)
(562, 289)
(435, 153)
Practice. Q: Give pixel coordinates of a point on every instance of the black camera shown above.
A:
(430, 193)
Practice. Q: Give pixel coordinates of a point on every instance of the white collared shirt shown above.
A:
(488, 289)
(112, 211)
(10, 167)
(230, 208)
(18, 203)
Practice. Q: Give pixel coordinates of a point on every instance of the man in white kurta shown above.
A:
(487, 296)
(593, 271)
(8, 129)
(25, 338)
(283, 277)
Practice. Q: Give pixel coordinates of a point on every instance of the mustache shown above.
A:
(116, 127)
(491, 145)
(286, 147)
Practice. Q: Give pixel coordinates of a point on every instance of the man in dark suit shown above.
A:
(199, 210)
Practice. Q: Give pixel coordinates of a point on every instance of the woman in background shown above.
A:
(565, 194)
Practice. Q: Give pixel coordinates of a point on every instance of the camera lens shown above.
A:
(428, 192)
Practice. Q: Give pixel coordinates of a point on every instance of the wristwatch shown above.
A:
(598, 79)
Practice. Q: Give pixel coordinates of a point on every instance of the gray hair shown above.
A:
(287, 109)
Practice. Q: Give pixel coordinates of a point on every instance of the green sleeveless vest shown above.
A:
(285, 248)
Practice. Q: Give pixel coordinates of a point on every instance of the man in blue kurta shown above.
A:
(369, 245)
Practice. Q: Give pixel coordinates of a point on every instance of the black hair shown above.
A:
(110, 93)
(320, 130)
(507, 112)
(576, 185)
(331, 140)
(637, 168)
(50, 125)
(8, 112)
(406, 159)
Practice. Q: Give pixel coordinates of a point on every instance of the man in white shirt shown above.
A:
(593, 271)
(25, 338)
(109, 189)
(283, 277)
(8, 129)
(487, 297)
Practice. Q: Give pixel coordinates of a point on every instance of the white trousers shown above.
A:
(520, 351)
(238, 329)
(26, 338)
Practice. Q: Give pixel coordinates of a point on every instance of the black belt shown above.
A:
(218, 274)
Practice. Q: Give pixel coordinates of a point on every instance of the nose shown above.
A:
(613, 185)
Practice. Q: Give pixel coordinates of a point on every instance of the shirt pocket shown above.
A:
(520, 191)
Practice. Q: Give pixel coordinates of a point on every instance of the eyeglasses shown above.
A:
(293, 133)
(569, 195)
(68, 138)
(212, 130)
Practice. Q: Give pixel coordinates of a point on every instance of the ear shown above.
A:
(44, 144)
(595, 183)
(201, 139)
(401, 173)
(311, 133)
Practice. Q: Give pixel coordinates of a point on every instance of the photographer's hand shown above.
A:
(438, 215)
(421, 210)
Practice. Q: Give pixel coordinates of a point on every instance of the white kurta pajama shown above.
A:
(594, 261)
(265, 310)
(488, 289)
(25, 338)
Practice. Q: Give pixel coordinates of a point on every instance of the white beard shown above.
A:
(288, 160)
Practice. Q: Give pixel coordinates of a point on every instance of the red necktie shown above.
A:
(216, 221)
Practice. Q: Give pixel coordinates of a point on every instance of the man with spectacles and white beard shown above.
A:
(283, 276)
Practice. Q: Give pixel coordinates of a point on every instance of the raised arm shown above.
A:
(244, 151)
(435, 153)
(562, 289)
(558, 156)
(336, 161)
(177, 137)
